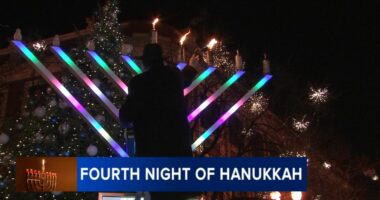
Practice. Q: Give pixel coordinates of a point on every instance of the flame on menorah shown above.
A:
(40, 181)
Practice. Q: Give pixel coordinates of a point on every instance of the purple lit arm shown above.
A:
(231, 111)
(107, 70)
(85, 80)
(214, 96)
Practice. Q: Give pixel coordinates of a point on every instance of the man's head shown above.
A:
(152, 56)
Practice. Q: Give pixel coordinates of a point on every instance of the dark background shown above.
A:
(333, 43)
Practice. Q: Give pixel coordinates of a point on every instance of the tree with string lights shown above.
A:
(49, 127)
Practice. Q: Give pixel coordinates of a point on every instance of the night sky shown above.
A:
(328, 43)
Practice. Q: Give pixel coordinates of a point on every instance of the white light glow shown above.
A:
(318, 95)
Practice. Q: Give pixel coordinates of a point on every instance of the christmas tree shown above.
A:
(49, 127)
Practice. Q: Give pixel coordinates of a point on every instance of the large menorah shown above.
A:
(40, 181)
(111, 108)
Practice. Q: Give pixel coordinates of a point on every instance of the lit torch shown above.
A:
(183, 38)
(210, 45)
(182, 52)
(154, 32)
(154, 23)
(238, 61)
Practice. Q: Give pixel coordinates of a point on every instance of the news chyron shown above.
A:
(88, 174)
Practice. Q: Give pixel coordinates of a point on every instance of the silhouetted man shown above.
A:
(156, 107)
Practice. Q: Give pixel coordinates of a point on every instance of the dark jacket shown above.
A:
(156, 107)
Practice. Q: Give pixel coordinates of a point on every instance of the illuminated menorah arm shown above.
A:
(214, 96)
(131, 64)
(137, 70)
(82, 77)
(66, 95)
(231, 111)
(206, 73)
(107, 70)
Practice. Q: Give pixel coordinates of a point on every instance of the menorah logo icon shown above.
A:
(40, 181)
(98, 61)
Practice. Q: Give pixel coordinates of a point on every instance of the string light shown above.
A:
(275, 195)
(300, 125)
(326, 165)
(200, 148)
(258, 103)
(248, 132)
(293, 154)
(222, 59)
(318, 95)
(296, 195)
(39, 46)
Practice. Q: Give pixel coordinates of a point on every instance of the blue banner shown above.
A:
(191, 174)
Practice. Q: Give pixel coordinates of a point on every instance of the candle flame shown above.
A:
(43, 165)
(275, 195)
(183, 38)
(296, 195)
(212, 42)
(154, 23)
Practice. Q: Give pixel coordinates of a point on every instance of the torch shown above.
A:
(210, 45)
(238, 61)
(266, 65)
(154, 32)
(182, 50)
